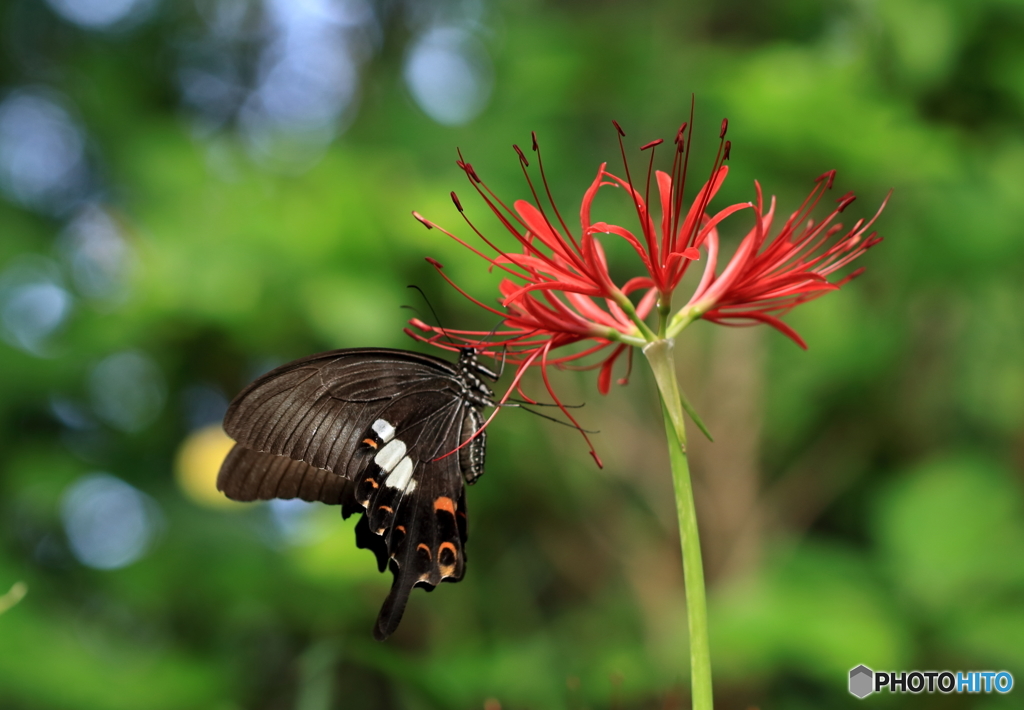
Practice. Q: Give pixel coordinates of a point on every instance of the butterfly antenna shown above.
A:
(436, 318)
(519, 402)
(556, 421)
(504, 348)
(501, 367)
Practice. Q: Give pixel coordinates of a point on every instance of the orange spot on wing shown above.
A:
(448, 545)
(444, 503)
(426, 549)
(400, 528)
(370, 442)
(384, 507)
(371, 482)
(449, 569)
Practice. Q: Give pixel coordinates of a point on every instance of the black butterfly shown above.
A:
(369, 429)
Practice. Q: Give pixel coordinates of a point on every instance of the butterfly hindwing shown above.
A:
(426, 544)
(248, 475)
(412, 497)
(369, 429)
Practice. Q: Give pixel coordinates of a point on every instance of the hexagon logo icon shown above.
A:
(861, 681)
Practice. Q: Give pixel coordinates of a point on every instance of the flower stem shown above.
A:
(659, 355)
(683, 318)
(664, 309)
(626, 305)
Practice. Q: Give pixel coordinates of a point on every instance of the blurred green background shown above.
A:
(193, 192)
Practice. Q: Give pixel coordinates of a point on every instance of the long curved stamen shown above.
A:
(683, 144)
(650, 168)
(572, 253)
(547, 188)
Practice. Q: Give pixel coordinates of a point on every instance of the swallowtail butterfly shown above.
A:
(370, 430)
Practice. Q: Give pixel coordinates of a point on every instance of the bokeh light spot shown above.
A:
(42, 151)
(449, 74)
(203, 405)
(33, 304)
(127, 390)
(308, 79)
(198, 463)
(100, 14)
(295, 521)
(97, 253)
(109, 523)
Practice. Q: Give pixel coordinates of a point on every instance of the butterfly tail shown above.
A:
(394, 606)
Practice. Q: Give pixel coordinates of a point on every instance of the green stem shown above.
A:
(664, 310)
(626, 305)
(659, 355)
(683, 318)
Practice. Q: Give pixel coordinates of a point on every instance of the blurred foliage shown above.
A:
(863, 503)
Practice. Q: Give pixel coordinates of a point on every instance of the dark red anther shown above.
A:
(830, 176)
(652, 144)
(845, 201)
(728, 147)
(423, 220)
(455, 199)
(472, 173)
(618, 128)
(533, 135)
(725, 127)
(679, 133)
(434, 262)
(521, 156)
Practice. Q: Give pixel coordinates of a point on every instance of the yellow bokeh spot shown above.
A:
(198, 462)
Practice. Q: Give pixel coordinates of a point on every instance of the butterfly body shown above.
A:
(378, 432)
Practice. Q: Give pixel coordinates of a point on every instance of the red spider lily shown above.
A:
(558, 291)
(766, 277)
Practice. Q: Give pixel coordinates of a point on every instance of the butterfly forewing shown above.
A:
(369, 429)
(313, 409)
